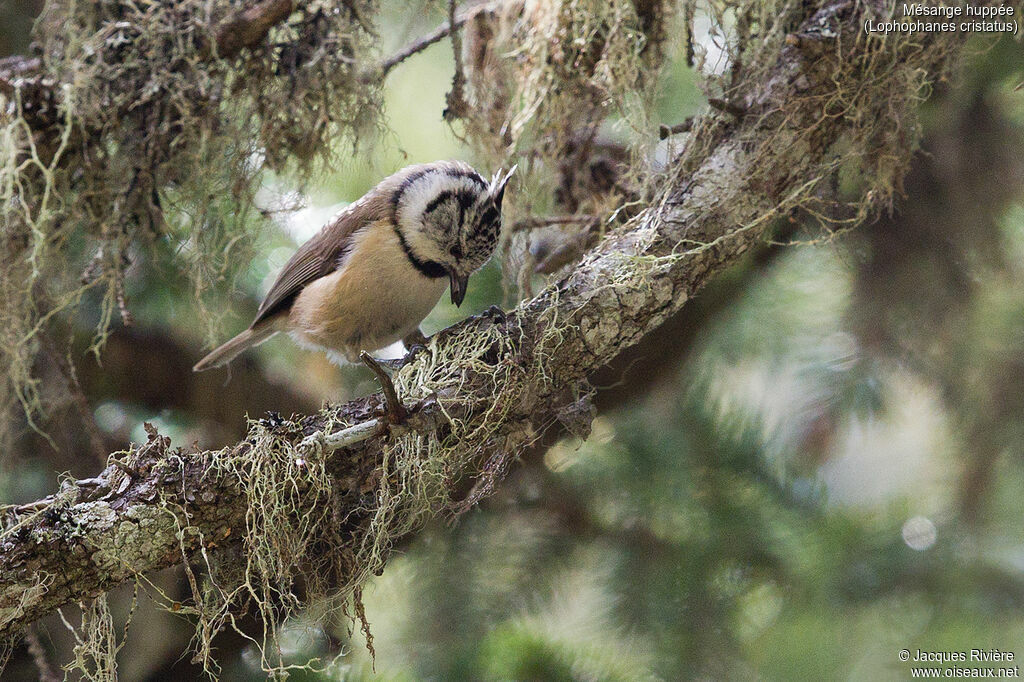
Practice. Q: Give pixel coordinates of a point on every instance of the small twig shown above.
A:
(534, 223)
(14, 67)
(90, 489)
(416, 46)
(728, 107)
(94, 269)
(564, 254)
(132, 473)
(396, 411)
(688, 15)
(807, 40)
(424, 42)
(17, 64)
(347, 436)
(456, 41)
(493, 472)
(28, 507)
(122, 300)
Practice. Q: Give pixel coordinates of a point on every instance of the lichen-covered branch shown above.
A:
(129, 116)
(486, 388)
(240, 30)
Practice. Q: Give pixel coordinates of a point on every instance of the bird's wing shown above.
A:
(318, 257)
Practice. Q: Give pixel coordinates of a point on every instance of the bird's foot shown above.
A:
(390, 364)
(414, 350)
(394, 411)
(494, 313)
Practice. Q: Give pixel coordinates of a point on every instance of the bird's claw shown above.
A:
(495, 313)
(412, 352)
(395, 364)
(390, 364)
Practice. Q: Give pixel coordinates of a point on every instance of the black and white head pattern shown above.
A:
(448, 217)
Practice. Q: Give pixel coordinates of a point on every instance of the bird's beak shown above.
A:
(458, 287)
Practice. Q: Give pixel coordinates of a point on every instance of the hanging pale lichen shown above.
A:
(540, 71)
(545, 79)
(293, 535)
(96, 641)
(149, 124)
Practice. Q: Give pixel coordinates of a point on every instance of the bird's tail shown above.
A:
(227, 352)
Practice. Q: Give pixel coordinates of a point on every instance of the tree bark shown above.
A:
(742, 168)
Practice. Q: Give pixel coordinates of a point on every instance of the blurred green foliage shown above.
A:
(688, 538)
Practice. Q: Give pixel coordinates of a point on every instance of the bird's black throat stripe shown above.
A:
(427, 268)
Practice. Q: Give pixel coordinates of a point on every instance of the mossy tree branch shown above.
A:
(800, 100)
(244, 29)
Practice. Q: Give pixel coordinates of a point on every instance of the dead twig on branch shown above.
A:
(244, 29)
(250, 26)
(547, 221)
(395, 410)
(422, 43)
(456, 105)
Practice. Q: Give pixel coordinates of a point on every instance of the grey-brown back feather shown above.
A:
(321, 255)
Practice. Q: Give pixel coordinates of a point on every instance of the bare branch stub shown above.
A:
(728, 107)
(395, 410)
(667, 131)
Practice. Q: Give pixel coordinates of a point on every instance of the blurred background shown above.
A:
(817, 463)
